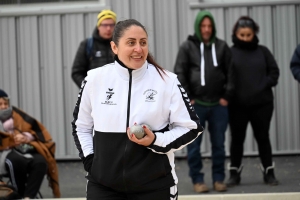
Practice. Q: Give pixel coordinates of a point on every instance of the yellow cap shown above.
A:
(106, 14)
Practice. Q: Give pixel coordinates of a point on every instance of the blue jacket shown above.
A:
(295, 64)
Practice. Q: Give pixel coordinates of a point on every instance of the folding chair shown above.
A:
(8, 182)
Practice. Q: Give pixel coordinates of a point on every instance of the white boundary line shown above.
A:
(250, 196)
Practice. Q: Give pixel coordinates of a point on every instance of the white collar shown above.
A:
(137, 74)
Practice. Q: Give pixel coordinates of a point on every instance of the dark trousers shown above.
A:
(96, 191)
(26, 174)
(260, 118)
(217, 118)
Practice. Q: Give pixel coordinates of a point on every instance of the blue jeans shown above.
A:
(217, 118)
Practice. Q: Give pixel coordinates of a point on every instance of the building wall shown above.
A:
(38, 45)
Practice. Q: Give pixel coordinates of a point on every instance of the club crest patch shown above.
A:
(150, 95)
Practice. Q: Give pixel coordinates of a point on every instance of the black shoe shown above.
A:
(235, 175)
(269, 177)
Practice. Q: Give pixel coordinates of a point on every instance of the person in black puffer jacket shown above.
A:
(203, 66)
(256, 72)
(95, 51)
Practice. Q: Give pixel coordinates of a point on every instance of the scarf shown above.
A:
(5, 114)
(245, 45)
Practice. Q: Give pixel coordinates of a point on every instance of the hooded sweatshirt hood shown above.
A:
(201, 15)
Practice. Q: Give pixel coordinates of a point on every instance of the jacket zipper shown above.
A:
(127, 122)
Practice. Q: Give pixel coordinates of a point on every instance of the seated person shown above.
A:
(26, 151)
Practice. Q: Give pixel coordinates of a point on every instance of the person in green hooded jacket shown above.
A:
(203, 66)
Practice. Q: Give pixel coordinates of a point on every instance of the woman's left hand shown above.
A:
(20, 139)
(145, 141)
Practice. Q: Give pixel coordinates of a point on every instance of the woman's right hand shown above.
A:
(147, 140)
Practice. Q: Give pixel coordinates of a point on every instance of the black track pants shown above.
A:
(26, 174)
(97, 191)
(260, 118)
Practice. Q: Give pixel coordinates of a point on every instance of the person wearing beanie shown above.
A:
(203, 66)
(95, 51)
(26, 151)
(3, 94)
(256, 73)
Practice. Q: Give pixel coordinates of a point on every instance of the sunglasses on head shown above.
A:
(245, 22)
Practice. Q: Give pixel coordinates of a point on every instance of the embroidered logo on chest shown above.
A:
(150, 95)
(109, 95)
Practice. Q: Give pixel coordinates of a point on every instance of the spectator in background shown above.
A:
(295, 63)
(95, 51)
(26, 151)
(203, 66)
(256, 72)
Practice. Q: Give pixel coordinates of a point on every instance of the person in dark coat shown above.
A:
(95, 51)
(203, 67)
(256, 72)
(295, 63)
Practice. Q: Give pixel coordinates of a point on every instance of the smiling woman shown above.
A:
(132, 48)
(132, 90)
(130, 45)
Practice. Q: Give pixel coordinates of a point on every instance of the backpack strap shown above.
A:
(89, 46)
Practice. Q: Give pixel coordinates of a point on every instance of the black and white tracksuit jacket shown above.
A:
(113, 98)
